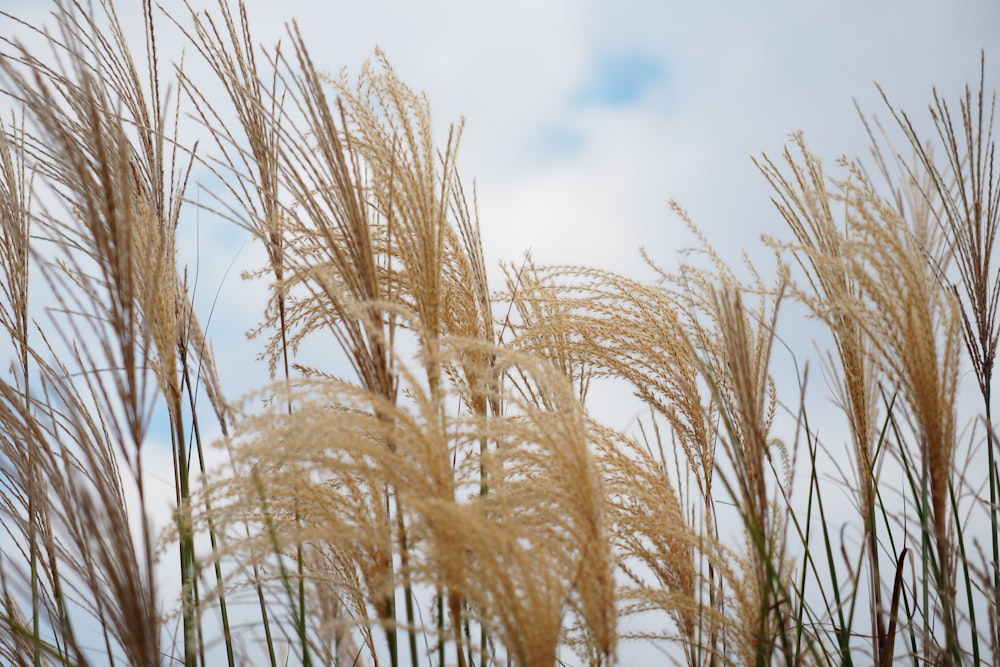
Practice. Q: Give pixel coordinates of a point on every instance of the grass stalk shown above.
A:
(186, 546)
(967, 579)
(994, 511)
(408, 597)
(842, 630)
(298, 614)
(227, 634)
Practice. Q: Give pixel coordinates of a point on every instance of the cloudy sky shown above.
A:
(584, 118)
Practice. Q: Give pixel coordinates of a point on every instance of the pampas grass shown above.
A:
(435, 488)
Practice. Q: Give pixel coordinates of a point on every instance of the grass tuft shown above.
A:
(425, 480)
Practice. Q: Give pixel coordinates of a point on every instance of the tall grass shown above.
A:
(423, 481)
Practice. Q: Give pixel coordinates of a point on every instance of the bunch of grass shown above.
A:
(436, 490)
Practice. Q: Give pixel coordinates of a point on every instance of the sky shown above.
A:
(584, 118)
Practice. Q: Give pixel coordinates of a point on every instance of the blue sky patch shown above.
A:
(558, 141)
(619, 80)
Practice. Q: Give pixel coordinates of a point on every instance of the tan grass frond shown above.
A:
(559, 444)
(99, 138)
(697, 355)
(806, 202)
(652, 533)
(200, 354)
(543, 322)
(967, 190)
(88, 557)
(412, 185)
(913, 322)
(592, 322)
(470, 311)
(15, 223)
(733, 343)
(878, 282)
(228, 47)
(103, 148)
(746, 406)
(377, 224)
(523, 555)
(336, 244)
